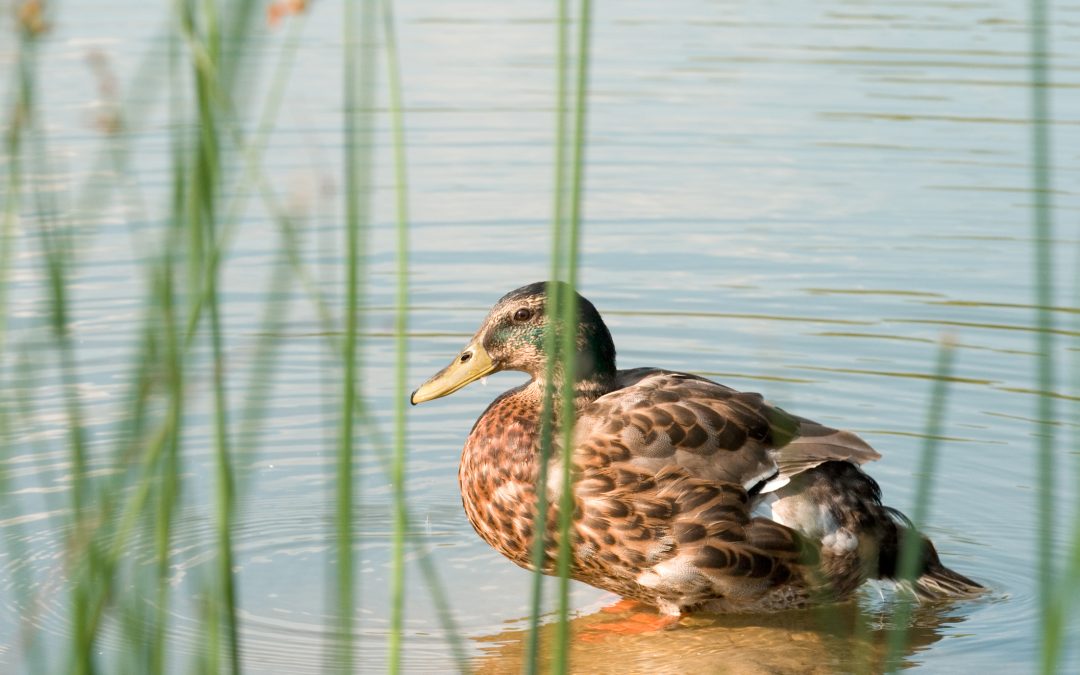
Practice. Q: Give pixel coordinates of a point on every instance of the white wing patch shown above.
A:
(816, 522)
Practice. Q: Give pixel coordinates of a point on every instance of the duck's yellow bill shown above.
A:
(471, 364)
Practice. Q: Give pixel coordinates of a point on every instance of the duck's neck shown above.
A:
(585, 390)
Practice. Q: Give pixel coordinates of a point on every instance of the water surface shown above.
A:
(795, 198)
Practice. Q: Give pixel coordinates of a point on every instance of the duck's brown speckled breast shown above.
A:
(498, 473)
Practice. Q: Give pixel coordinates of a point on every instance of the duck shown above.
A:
(687, 495)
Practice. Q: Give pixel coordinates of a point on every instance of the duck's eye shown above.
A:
(523, 314)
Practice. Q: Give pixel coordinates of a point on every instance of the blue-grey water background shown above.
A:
(796, 198)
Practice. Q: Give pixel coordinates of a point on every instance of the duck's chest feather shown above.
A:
(498, 473)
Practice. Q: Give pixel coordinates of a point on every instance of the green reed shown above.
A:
(561, 334)
(569, 321)
(203, 212)
(169, 471)
(1043, 271)
(1058, 620)
(354, 171)
(401, 325)
(547, 410)
(1053, 603)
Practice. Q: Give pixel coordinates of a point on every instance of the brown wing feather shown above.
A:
(661, 418)
(671, 537)
(817, 444)
(658, 418)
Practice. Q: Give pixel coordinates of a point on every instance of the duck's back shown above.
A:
(656, 418)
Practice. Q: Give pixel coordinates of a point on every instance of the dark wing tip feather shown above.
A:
(817, 444)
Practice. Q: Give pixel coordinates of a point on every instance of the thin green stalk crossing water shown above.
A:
(560, 336)
(558, 257)
(401, 327)
(359, 32)
(570, 313)
(1051, 619)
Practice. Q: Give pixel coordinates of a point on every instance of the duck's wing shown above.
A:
(691, 541)
(660, 418)
(816, 444)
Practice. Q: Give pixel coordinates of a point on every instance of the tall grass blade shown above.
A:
(1059, 620)
(359, 30)
(551, 343)
(401, 326)
(169, 495)
(205, 184)
(1042, 217)
(560, 336)
(345, 439)
(570, 313)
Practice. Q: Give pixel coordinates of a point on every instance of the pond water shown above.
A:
(794, 198)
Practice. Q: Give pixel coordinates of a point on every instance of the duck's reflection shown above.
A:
(852, 637)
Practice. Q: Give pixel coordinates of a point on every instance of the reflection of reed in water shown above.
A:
(838, 638)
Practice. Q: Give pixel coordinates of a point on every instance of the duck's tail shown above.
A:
(932, 580)
(839, 507)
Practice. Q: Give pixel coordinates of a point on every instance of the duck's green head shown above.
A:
(512, 337)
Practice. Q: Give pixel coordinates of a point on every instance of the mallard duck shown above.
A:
(670, 473)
